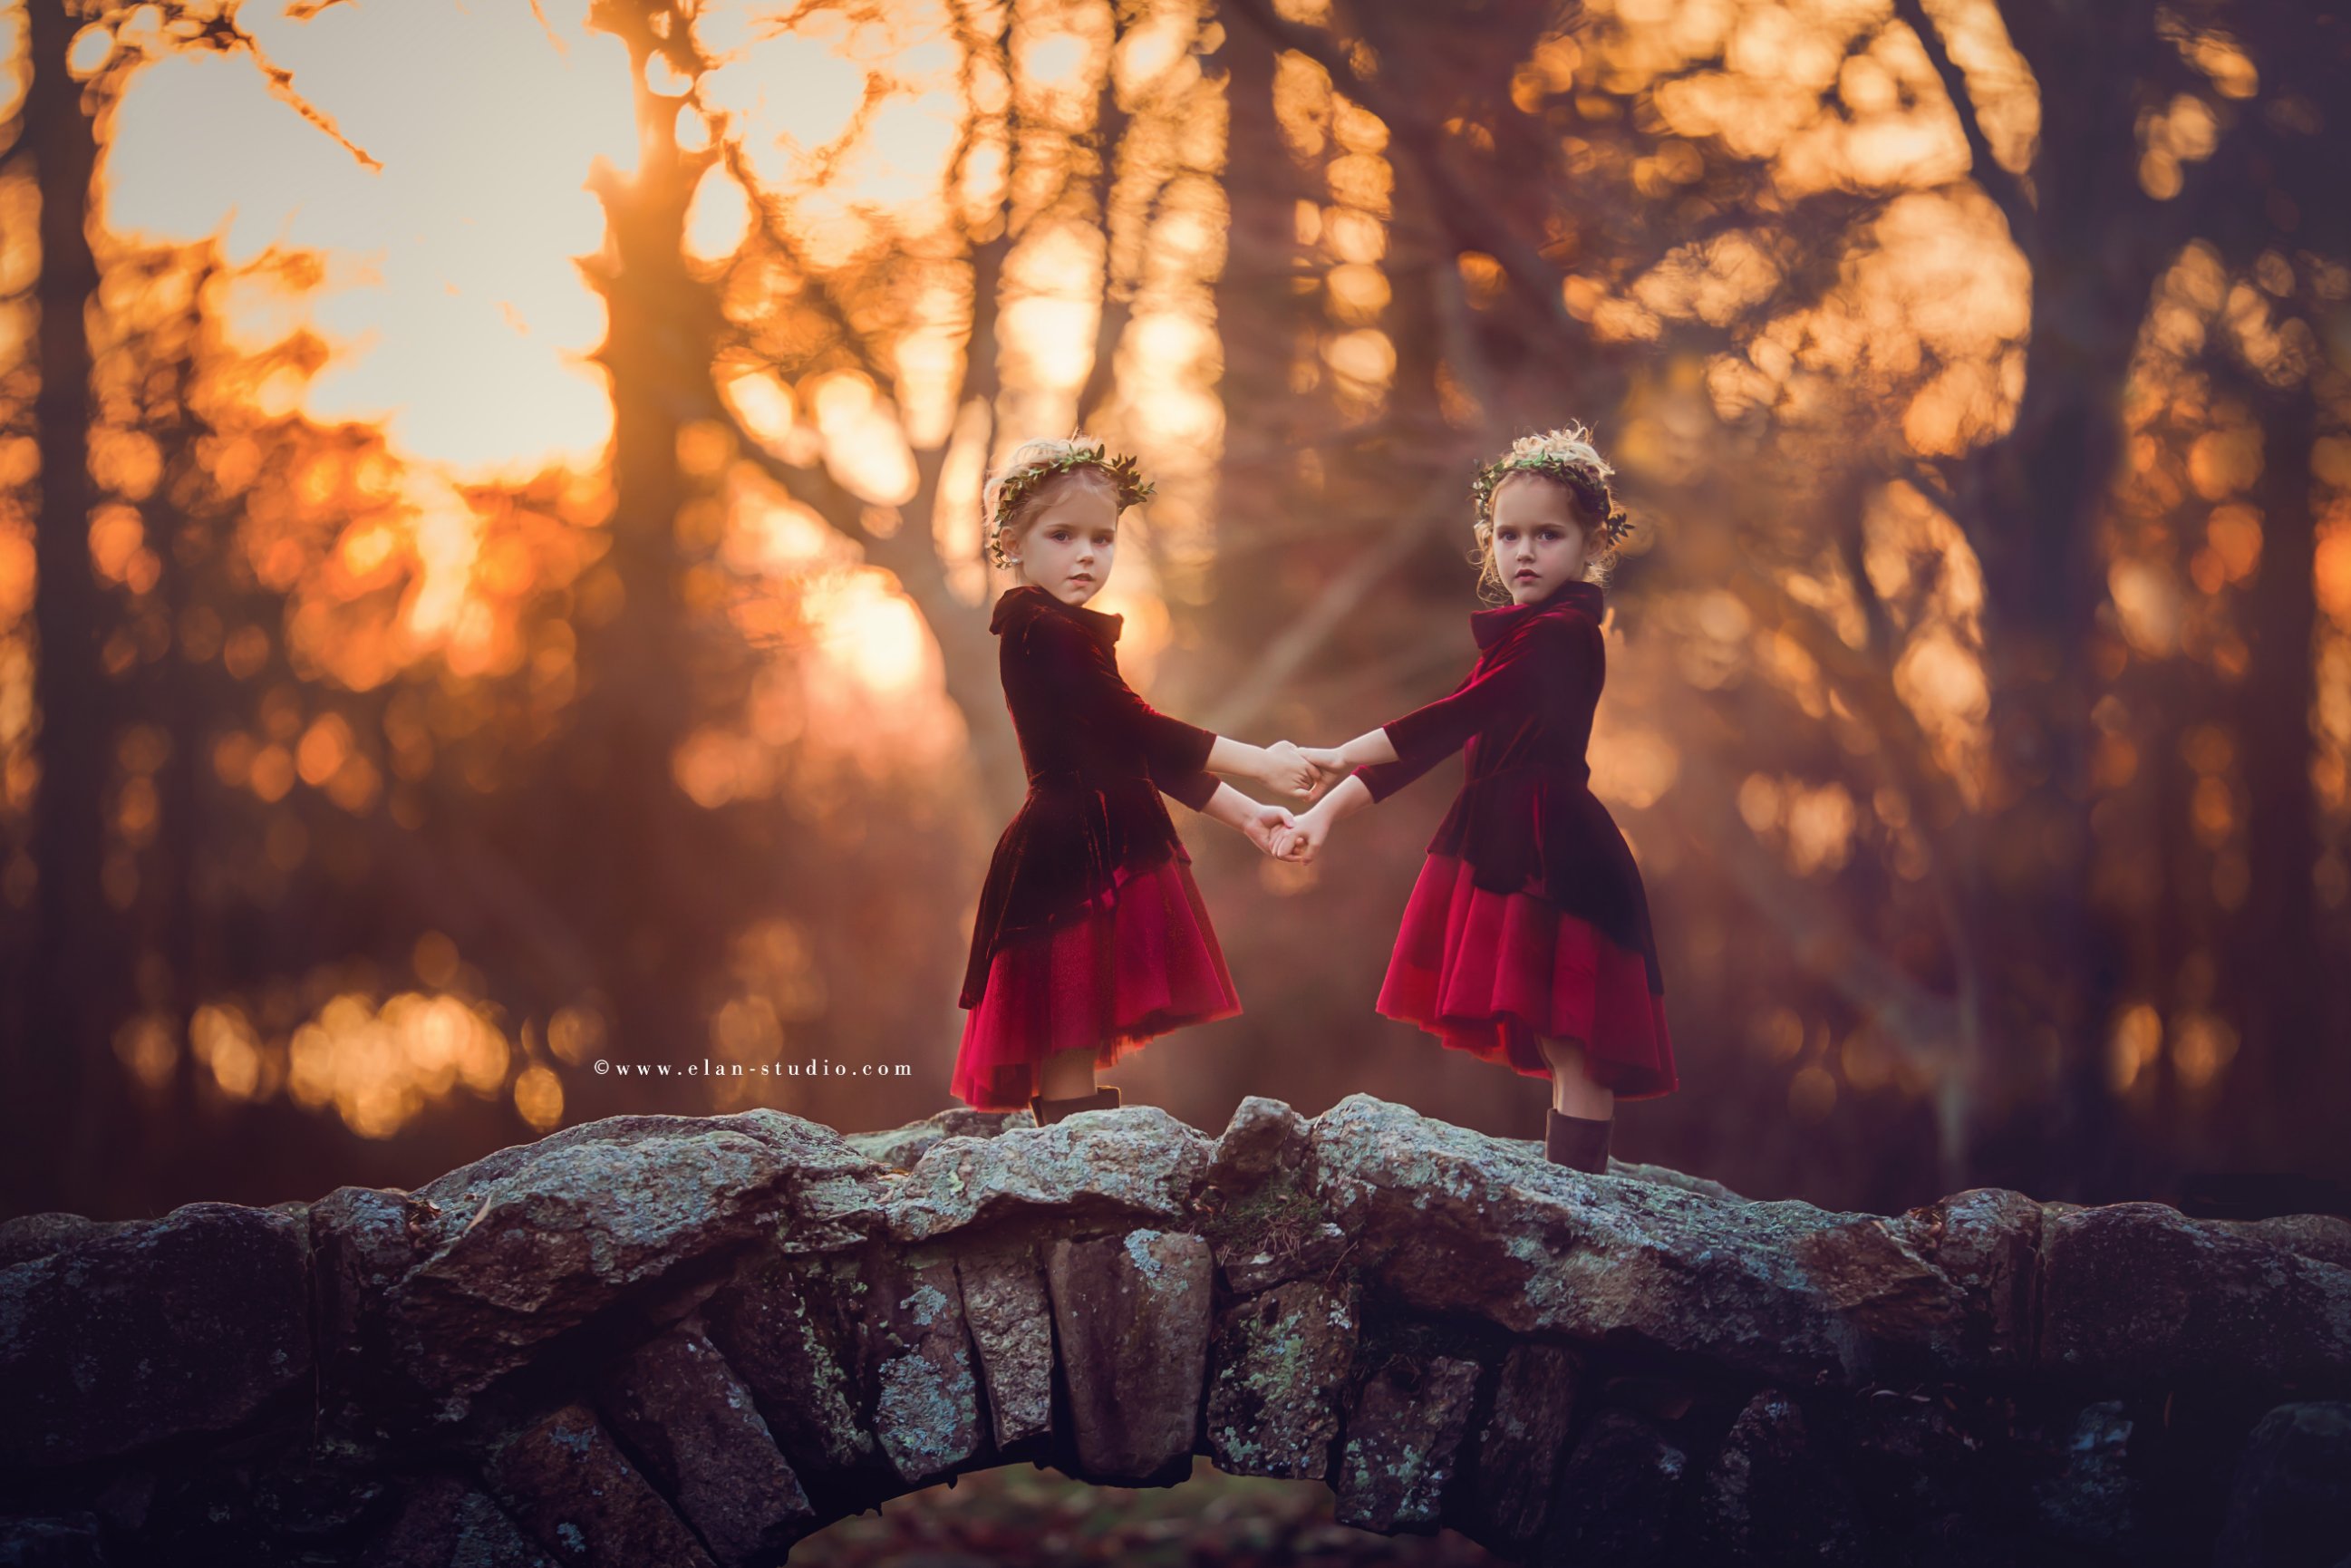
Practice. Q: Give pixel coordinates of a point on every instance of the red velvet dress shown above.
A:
(1091, 930)
(1529, 918)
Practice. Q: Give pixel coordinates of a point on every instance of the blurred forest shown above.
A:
(1980, 703)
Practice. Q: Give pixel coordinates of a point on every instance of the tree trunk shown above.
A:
(663, 324)
(2037, 499)
(1263, 315)
(68, 1077)
(2282, 1060)
(184, 521)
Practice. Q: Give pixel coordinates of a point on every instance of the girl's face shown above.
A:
(1538, 540)
(1069, 542)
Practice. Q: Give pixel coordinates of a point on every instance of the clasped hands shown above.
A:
(1309, 772)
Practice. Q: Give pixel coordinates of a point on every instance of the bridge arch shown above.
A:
(700, 1340)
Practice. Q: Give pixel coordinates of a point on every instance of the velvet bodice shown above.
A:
(1097, 757)
(1526, 820)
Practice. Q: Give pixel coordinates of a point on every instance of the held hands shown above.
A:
(1330, 764)
(1308, 772)
(1301, 839)
(1283, 766)
(1263, 825)
(1274, 831)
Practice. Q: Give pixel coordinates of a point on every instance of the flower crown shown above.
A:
(1585, 476)
(1022, 483)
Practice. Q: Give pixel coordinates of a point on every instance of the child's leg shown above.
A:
(1065, 1086)
(1583, 1112)
(1573, 1091)
(1067, 1074)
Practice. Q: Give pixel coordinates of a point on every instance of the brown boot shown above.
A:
(1049, 1111)
(1578, 1141)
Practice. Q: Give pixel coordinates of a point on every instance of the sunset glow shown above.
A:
(456, 249)
(535, 456)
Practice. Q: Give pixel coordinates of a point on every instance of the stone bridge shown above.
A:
(677, 1341)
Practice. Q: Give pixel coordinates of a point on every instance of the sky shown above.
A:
(454, 250)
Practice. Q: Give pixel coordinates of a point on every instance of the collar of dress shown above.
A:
(1022, 603)
(1492, 625)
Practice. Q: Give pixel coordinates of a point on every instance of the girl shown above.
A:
(1092, 937)
(1526, 940)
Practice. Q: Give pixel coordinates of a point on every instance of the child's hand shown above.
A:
(1286, 768)
(1263, 826)
(1329, 764)
(1301, 841)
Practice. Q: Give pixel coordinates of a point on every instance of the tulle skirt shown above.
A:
(1142, 959)
(1488, 973)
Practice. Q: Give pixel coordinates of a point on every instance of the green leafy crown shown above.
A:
(1132, 487)
(1591, 487)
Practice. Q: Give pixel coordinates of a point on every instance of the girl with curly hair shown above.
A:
(1526, 939)
(1092, 937)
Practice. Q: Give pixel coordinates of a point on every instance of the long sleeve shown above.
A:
(1170, 747)
(1500, 691)
(1098, 696)
(1384, 779)
(1194, 788)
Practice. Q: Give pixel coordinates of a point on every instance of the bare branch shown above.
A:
(1376, 680)
(872, 357)
(814, 486)
(1306, 634)
(1928, 1030)
(1922, 1025)
(824, 164)
(979, 376)
(1852, 548)
(538, 10)
(910, 554)
(1864, 684)
(1101, 377)
(1466, 213)
(1994, 178)
(1111, 125)
(1928, 481)
(221, 32)
(1458, 332)
(857, 12)
(1905, 751)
